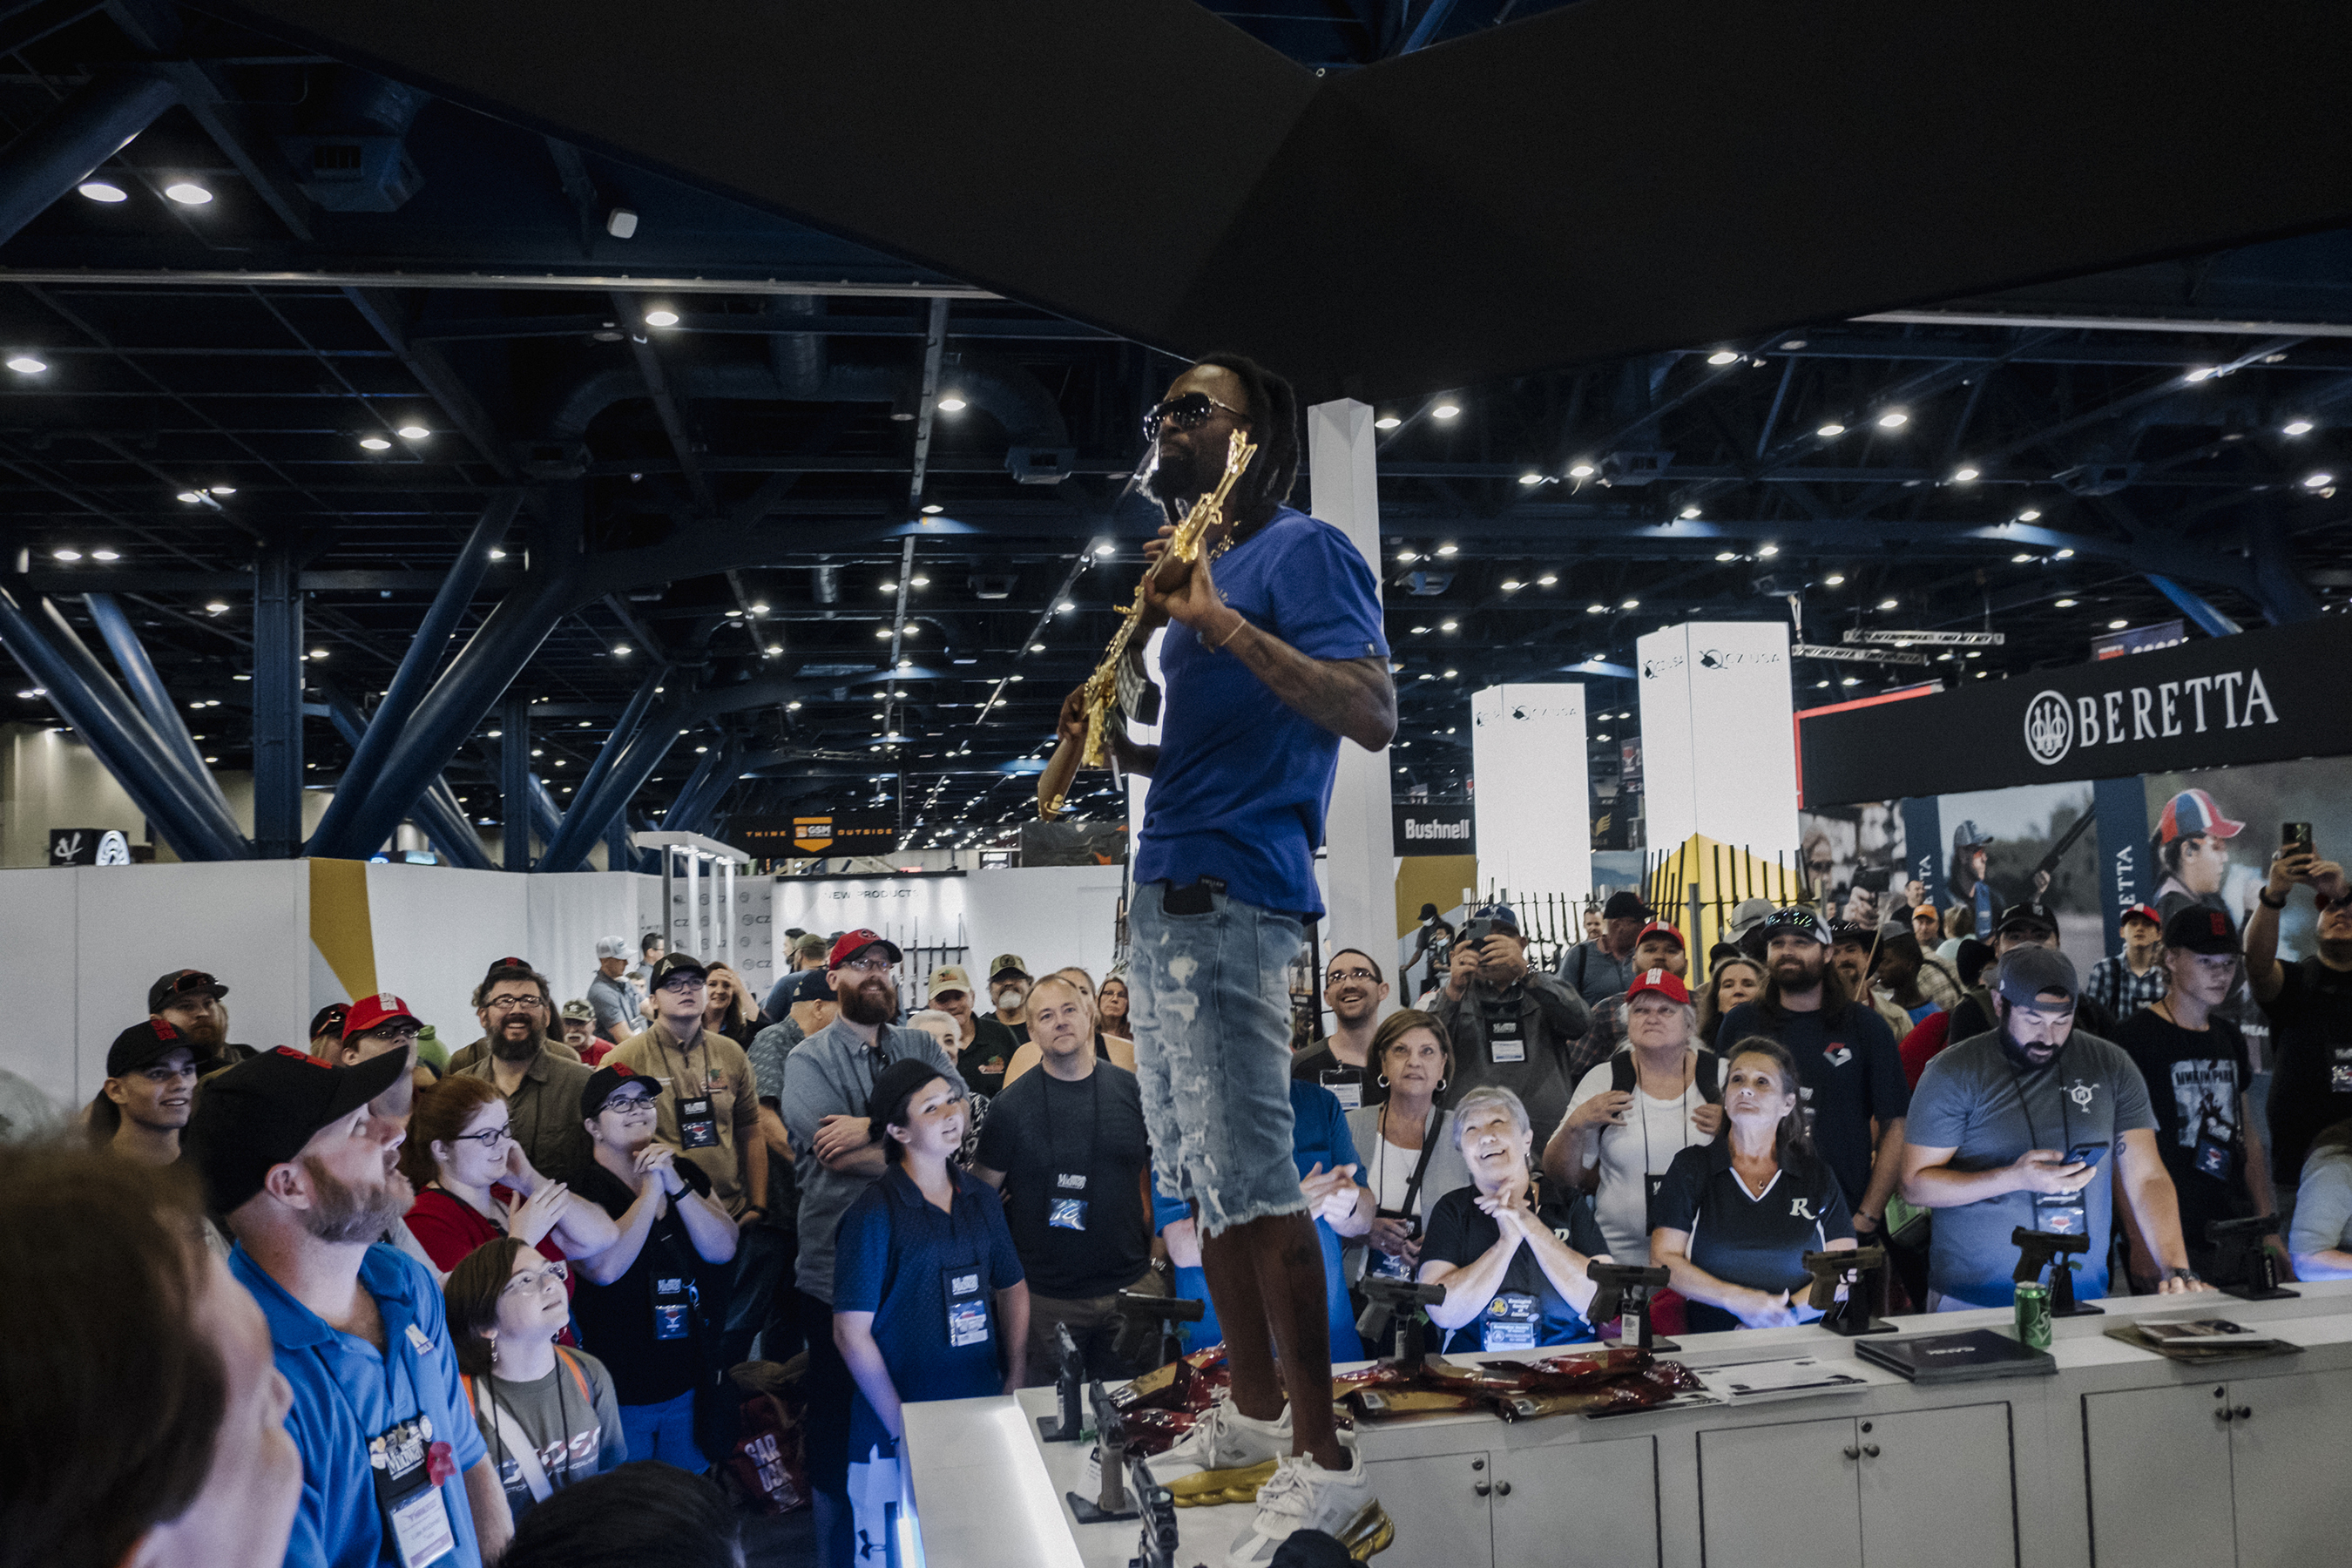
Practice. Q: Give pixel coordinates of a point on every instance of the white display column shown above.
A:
(1531, 792)
(1359, 846)
(1719, 744)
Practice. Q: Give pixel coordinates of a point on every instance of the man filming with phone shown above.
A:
(2015, 1128)
(2308, 1002)
(1511, 1028)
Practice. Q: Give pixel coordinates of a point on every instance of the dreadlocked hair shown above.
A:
(1273, 426)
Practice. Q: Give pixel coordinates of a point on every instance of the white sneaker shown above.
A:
(1303, 1495)
(1225, 1439)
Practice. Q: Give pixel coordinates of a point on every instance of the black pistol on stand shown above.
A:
(1110, 1502)
(1158, 1547)
(2261, 1281)
(1141, 1315)
(1393, 1316)
(2039, 1250)
(1862, 1272)
(1624, 1294)
(1069, 1378)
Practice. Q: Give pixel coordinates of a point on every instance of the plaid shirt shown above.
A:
(2113, 986)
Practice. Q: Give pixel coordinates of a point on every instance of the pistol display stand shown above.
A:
(1862, 1272)
(1158, 1547)
(2261, 1282)
(2037, 1248)
(1067, 1421)
(1624, 1294)
(1111, 1502)
(1392, 1320)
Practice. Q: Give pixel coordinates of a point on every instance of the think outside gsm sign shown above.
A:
(2255, 697)
(2056, 725)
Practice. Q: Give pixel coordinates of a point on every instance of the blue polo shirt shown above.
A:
(1319, 1136)
(1242, 782)
(346, 1392)
(896, 1256)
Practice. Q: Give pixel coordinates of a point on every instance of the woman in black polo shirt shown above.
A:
(1736, 1216)
(1512, 1257)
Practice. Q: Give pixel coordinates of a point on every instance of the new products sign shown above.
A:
(2257, 697)
(1425, 829)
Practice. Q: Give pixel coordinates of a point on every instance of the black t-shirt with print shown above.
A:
(1460, 1232)
(2311, 1076)
(1073, 1156)
(2194, 1079)
(1743, 1238)
(618, 1322)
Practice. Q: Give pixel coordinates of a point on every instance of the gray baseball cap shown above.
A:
(2030, 973)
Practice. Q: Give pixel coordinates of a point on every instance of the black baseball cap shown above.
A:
(607, 1081)
(1625, 905)
(147, 1041)
(183, 983)
(259, 1113)
(808, 985)
(328, 1019)
(671, 963)
(2199, 928)
(2031, 912)
(1854, 931)
(2029, 973)
(1796, 921)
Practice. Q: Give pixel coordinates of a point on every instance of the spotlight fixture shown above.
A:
(1894, 419)
(1630, 604)
(187, 193)
(661, 316)
(66, 554)
(1768, 551)
(759, 609)
(1887, 604)
(412, 432)
(1530, 477)
(2065, 604)
(2202, 373)
(375, 443)
(1446, 409)
(1723, 357)
(223, 489)
(2065, 555)
(2029, 515)
(1449, 625)
(2317, 481)
(1546, 581)
(1446, 550)
(497, 554)
(2020, 558)
(1104, 551)
(1596, 609)
(25, 364)
(950, 403)
(104, 556)
(1387, 422)
(1835, 580)
(2117, 625)
(105, 191)
(1964, 475)
(933, 510)
(1408, 556)
(1065, 608)
(217, 607)
(1451, 674)
(1831, 431)
(1579, 469)
(1689, 512)
(191, 498)
(1725, 555)
(2296, 428)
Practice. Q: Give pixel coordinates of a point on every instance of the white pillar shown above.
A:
(1532, 794)
(1719, 746)
(1361, 851)
(694, 906)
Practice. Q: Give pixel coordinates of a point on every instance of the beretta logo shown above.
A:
(2049, 728)
(2229, 700)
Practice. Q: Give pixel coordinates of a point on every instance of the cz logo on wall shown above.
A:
(2053, 723)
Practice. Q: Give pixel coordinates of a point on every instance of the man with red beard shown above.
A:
(298, 1157)
(837, 1154)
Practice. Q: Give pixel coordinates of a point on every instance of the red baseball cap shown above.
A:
(850, 943)
(1659, 927)
(1665, 982)
(374, 1012)
(2141, 911)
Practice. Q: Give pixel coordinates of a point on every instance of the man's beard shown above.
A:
(342, 1213)
(1177, 478)
(206, 1033)
(873, 1002)
(1010, 998)
(1808, 976)
(509, 1049)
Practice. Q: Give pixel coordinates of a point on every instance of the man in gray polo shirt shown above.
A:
(827, 1079)
(2030, 1125)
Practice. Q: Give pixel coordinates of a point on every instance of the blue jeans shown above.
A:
(1212, 1013)
(663, 1432)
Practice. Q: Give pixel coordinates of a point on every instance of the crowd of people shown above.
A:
(396, 1303)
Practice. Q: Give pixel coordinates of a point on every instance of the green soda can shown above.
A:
(2033, 1316)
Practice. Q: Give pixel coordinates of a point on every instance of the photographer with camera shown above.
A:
(1511, 1029)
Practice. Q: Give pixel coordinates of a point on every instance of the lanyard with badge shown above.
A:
(1066, 1201)
(1381, 1264)
(697, 1119)
(1506, 1032)
(1510, 1323)
(1346, 1084)
(967, 1304)
(409, 1465)
(2058, 1214)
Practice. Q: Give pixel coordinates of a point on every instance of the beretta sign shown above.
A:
(2257, 697)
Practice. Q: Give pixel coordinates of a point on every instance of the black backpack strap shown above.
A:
(1625, 1073)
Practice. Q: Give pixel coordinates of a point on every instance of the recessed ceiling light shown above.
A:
(2029, 514)
(412, 432)
(734, 614)
(2020, 558)
(317, 653)
(1630, 604)
(1596, 609)
(1850, 680)
(1036, 648)
(2317, 481)
(1407, 556)
(2061, 604)
(661, 316)
(187, 193)
(2065, 555)
(1723, 357)
(1769, 551)
(1530, 477)
(1452, 673)
(1446, 408)
(1830, 430)
(881, 631)
(1887, 604)
(1835, 579)
(1546, 581)
(950, 403)
(497, 554)
(760, 609)
(1387, 422)
(25, 364)
(623, 648)
(2202, 373)
(2297, 427)
(2117, 625)
(1579, 469)
(191, 498)
(1449, 625)
(1689, 512)
(1964, 475)
(216, 606)
(105, 191)
(1445, 549)
(1104, 551)
(1725, 555)
(375, 443)
(64, 555)
(104, 556)
(1894, 419)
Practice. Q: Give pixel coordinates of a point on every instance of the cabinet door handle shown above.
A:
(2245, 1412)
(1852, 1453)
(1482, 1488)
(1502, 1489)
(1477, 1463)
(1870, 1450)
(2221, 1413)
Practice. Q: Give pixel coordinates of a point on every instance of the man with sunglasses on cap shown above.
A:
(2028, 924)
(2309, 1005)
(1273, 653)
(149, 1089)
(1850, 1069)
(2015, 1129)
(298, 1157)
(828, 1080)
(190, 1000)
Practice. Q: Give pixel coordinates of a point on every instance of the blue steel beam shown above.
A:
(179, 748)
(2207, 618)
(278, 705)
(514, 781)
(437, 811)
(414, 676)
(684, 806)
(546, 817)
(121, 740)
(584, 822)
(624, 730)
(61, 149)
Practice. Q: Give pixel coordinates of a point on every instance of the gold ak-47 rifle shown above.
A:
(1102, 686)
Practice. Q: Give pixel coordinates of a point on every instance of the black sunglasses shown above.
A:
(1189, 412)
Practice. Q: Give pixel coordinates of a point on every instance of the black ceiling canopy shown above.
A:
(1607, 178)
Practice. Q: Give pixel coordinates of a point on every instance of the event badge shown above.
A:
(409, 1467)
(2213, 1156)
(673, 1301)
(1346, 1087)
(2061, 1214)
(1504, 1043)
(698, 1124)
(1511, 1319)
(2339, 1070)
(967, 1305)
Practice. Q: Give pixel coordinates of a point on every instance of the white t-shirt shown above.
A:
(1655, 1131)
(1391, 1175)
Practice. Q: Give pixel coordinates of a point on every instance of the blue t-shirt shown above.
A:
(1319, 1135)
(901, 1259)
(1242, 782)
(346, 1392)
